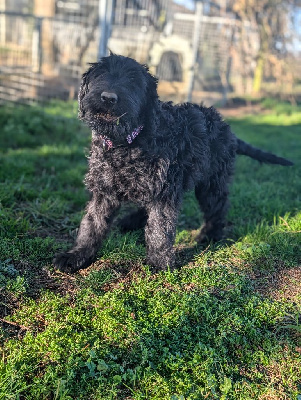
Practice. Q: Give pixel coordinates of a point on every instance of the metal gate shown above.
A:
(44, 52)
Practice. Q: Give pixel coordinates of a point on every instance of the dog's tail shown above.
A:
(259, 155)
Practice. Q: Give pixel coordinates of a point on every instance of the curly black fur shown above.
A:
(178, 148)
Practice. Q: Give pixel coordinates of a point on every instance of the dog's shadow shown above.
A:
(187, 249)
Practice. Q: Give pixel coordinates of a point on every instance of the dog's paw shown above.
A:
(206, 238)
(71, 261)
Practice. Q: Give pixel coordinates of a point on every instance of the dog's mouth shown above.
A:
(107, 117)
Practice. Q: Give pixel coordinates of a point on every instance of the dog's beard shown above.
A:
(116, 128)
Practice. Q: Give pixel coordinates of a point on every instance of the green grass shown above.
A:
(224, 324)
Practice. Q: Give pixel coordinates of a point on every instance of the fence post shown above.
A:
(195, 47)
(2, 23)
(46, 10)
(105, 13)
(36, 45)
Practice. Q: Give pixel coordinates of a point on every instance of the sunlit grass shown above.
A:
(224, 324)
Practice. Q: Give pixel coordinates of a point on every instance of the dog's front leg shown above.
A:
(93, 228)
(160, 234)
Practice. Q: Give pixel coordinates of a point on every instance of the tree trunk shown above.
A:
(258, 74)
(263, 50)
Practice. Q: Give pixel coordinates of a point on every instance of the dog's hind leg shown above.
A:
(214, 203)
(160, 234)
(93, 227)
(134, 220)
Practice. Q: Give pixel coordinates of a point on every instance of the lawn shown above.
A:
(224, 324)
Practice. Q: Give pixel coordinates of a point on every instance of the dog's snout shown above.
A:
(109, 98)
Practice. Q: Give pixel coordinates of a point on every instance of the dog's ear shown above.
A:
(152, 85)
(152, 82)
(83, 90)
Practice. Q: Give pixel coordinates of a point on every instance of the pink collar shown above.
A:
(107, 143)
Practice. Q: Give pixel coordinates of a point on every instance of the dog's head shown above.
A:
(114, 96)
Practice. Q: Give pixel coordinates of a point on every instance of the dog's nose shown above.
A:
(109, 98)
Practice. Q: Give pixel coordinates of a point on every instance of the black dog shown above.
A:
(150, 152)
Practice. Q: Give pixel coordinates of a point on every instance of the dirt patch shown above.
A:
(38, 279)
(121, 274)
(283, 283)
